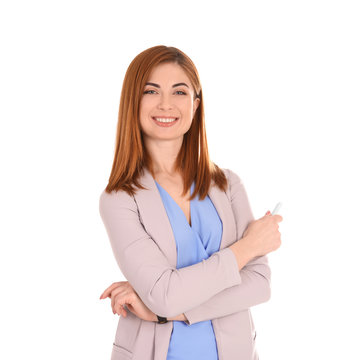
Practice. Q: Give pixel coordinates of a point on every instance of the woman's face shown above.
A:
(168, 95)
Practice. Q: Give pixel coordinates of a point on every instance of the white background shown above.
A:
(270, 77)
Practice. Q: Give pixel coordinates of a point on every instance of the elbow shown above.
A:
(265, 288)
(263, 276)
(261, 284)
(267, 291)
(262, 291)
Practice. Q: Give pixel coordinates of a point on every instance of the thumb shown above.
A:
(268, 212)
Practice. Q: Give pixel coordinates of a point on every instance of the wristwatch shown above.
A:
(162, 320)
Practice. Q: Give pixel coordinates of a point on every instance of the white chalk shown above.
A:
(277, 208)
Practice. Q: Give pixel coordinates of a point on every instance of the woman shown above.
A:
(181, 229)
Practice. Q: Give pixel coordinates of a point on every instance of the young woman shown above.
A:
(181, 228)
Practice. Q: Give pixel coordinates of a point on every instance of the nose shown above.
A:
(164, 102)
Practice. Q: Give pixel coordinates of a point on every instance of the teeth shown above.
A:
(165, 119)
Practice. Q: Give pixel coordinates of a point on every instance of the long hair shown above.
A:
(131, 155)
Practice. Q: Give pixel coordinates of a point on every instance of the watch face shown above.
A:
(162, 320)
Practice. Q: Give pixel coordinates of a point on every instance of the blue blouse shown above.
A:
(194, 243)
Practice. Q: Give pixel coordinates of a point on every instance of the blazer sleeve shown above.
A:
(165, 290)
(255, 275)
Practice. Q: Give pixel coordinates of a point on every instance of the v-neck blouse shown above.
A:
(193, 243)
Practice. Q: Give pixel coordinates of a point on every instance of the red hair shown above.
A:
(131, 154)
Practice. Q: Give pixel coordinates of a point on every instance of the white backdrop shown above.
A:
(270, 77)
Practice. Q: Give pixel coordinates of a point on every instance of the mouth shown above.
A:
(165, 119)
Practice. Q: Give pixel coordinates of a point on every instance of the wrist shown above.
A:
(249, 247)
(243, 251)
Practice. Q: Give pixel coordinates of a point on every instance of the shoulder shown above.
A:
(232, 177)
(235, 183)
(115, 200)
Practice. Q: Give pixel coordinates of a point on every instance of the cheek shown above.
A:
(146, 101)
(144, 111)
(187, 106)
(142, 106)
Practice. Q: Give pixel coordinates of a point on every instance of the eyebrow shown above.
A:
(157, 86)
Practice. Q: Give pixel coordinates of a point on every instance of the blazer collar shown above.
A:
(157, 224)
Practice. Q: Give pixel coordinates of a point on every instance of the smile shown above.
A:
(165, 120)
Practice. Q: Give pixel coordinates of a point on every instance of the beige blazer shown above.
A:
(214, 289)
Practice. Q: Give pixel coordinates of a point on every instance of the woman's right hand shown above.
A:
(263, 234)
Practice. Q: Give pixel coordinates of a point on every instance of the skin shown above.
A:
(163, 144)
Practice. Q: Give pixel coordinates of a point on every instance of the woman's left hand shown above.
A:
(122, 293)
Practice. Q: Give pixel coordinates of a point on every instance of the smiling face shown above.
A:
(167, 106)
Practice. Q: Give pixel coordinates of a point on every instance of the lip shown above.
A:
(165, 124)
(165, 117)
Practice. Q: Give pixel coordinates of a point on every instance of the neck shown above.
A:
(163, 154)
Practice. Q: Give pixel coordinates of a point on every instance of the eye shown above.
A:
(147, 91)
(180, 91)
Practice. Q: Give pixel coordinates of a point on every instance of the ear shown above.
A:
(196, 104)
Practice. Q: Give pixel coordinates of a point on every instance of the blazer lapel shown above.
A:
(157, 224)
(223, 207)
(155, 218)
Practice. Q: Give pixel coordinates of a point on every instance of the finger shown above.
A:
(117, 294)
(122, 294)
(120, 303)
(123, 311)
(113, 305)
(103, 296)
(278, 217)
(114, 309)
(110, 288)
(107, 291)
(119, 309)
(117, 301)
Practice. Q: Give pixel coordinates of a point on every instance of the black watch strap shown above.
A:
(162, 320)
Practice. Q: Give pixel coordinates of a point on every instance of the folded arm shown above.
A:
(165, 290)
(255, 275)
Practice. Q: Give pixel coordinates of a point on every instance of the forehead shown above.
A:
(168, 73)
